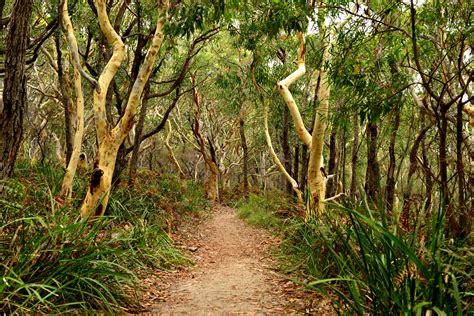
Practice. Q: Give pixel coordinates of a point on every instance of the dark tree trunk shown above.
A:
(390, 187)
(304, 167)
(2, 6)
(296, 164)
(132, 172)
(452, 223)
(355, 157)
(342, 165)
(464, 214)
(332, 164)
(372, 177)
(14, 91)
(407, 198)
(428, 180)
(243, 143)
(65, 99)
(120, 164)
(285, 144)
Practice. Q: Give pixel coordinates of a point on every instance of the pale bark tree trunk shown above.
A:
(66, 186)
(285, 145)
(316, 178)
(110, 139)
(314, 141)
(170, 150)
(302, 132)
(274, 156)
(14, 90)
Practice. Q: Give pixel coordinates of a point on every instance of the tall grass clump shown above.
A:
(52, 261)
(264, 211)
(369, 266)
(58, 263)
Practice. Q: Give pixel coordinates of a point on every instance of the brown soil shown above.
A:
(233, 274)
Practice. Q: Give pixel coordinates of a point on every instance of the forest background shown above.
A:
(117, 117)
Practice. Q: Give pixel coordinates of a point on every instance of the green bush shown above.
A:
(58, 263)
(259, 211)
(51, 261)
(368, 266)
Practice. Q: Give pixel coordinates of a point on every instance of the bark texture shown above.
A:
(110, 139)
(14, 90)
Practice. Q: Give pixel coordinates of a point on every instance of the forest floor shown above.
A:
(234, 273)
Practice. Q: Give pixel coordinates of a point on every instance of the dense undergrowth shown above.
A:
(54, 262)
(361, 259)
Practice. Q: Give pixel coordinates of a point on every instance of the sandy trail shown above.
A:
(233, 274)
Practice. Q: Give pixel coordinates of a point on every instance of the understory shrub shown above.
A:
(263, 211)
(367, 265)
(52, 261)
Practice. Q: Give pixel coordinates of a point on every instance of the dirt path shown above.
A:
(233, 274)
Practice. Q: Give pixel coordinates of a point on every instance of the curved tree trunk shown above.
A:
(111, 139)
(14, 90)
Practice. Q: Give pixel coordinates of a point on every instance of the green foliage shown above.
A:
(54, 262)
(370, 269)
(261, 211)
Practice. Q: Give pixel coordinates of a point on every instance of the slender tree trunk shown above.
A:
(443, 173)
(170, 150)
(65, 98)
(332, 163)
(14, 90)
(372, 178)
(407, 198)
(66, 186)
(391, 181)
(132, 172)
(428, 180)
(304, 167)
(355, 157)
(342, 165)
(243, 143)
(296, 163)
(285, 144)
(316, 178)
(464, 214)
